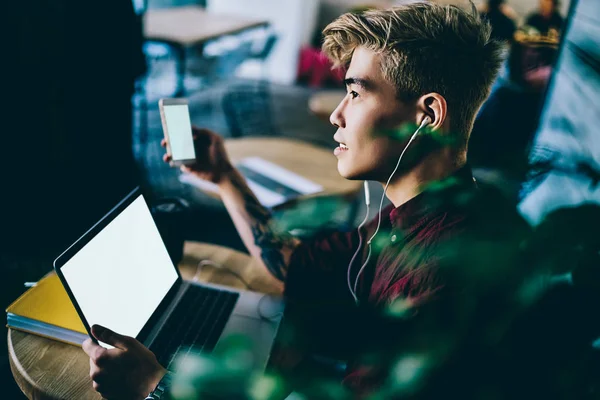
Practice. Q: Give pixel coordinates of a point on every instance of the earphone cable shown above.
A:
(360, 271)
(360, 240)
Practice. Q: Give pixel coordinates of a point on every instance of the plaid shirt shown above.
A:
(414, 263)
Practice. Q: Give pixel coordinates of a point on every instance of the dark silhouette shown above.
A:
(67, 155)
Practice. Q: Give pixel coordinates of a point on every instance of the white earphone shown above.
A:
(426, 121)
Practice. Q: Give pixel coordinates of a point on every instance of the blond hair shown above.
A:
(425, 47)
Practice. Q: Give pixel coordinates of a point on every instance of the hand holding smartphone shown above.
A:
(177, 128)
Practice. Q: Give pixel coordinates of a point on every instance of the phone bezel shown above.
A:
(173, 102)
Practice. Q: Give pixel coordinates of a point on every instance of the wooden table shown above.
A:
(324, 102)
(191, 26)
(311, 162)
(47, 369)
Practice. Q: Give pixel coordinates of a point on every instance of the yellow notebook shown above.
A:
(47, 310)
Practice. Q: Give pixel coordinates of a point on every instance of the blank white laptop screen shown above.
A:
(120, 276)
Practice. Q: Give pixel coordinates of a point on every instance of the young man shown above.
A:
(405, 66)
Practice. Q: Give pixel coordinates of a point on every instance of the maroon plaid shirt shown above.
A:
(403, 260)
(413, 243)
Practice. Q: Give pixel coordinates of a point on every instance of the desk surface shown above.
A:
(192, 25)
(47, 369)
(311, 162)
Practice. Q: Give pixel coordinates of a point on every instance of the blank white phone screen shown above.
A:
(120, 276)
(179, 128)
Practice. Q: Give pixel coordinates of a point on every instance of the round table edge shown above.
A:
(23, 380)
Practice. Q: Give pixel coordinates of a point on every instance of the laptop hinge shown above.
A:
(165, 316)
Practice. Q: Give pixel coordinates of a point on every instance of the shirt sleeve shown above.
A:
(317, 272)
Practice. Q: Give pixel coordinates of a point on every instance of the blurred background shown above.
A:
(82, 82)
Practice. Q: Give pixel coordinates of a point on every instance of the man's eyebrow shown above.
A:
(363, 83)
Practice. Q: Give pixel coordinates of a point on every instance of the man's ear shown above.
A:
(434, 106)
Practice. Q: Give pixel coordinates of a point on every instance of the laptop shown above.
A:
(119, 275)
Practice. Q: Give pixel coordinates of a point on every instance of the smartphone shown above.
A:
(177, 127)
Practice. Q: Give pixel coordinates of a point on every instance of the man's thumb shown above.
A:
(109, 337)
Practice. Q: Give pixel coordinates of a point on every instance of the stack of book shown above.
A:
(46, 310)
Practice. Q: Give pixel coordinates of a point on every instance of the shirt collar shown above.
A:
(436, 196)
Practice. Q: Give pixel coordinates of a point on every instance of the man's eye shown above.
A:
(353, 94)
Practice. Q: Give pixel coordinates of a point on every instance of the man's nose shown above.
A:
(337, 116)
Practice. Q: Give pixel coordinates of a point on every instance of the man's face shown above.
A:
(364, 119)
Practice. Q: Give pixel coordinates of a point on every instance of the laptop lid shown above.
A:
(119, 273)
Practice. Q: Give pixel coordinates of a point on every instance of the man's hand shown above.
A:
(212, 162)
(129, 371)
(251, 219)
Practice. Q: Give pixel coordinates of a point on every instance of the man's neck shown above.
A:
(433, 168)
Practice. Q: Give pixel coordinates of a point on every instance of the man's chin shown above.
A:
(350, 174)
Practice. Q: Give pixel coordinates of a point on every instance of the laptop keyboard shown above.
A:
(195, 324)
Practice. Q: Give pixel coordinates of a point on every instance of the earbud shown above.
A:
(425, 122)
